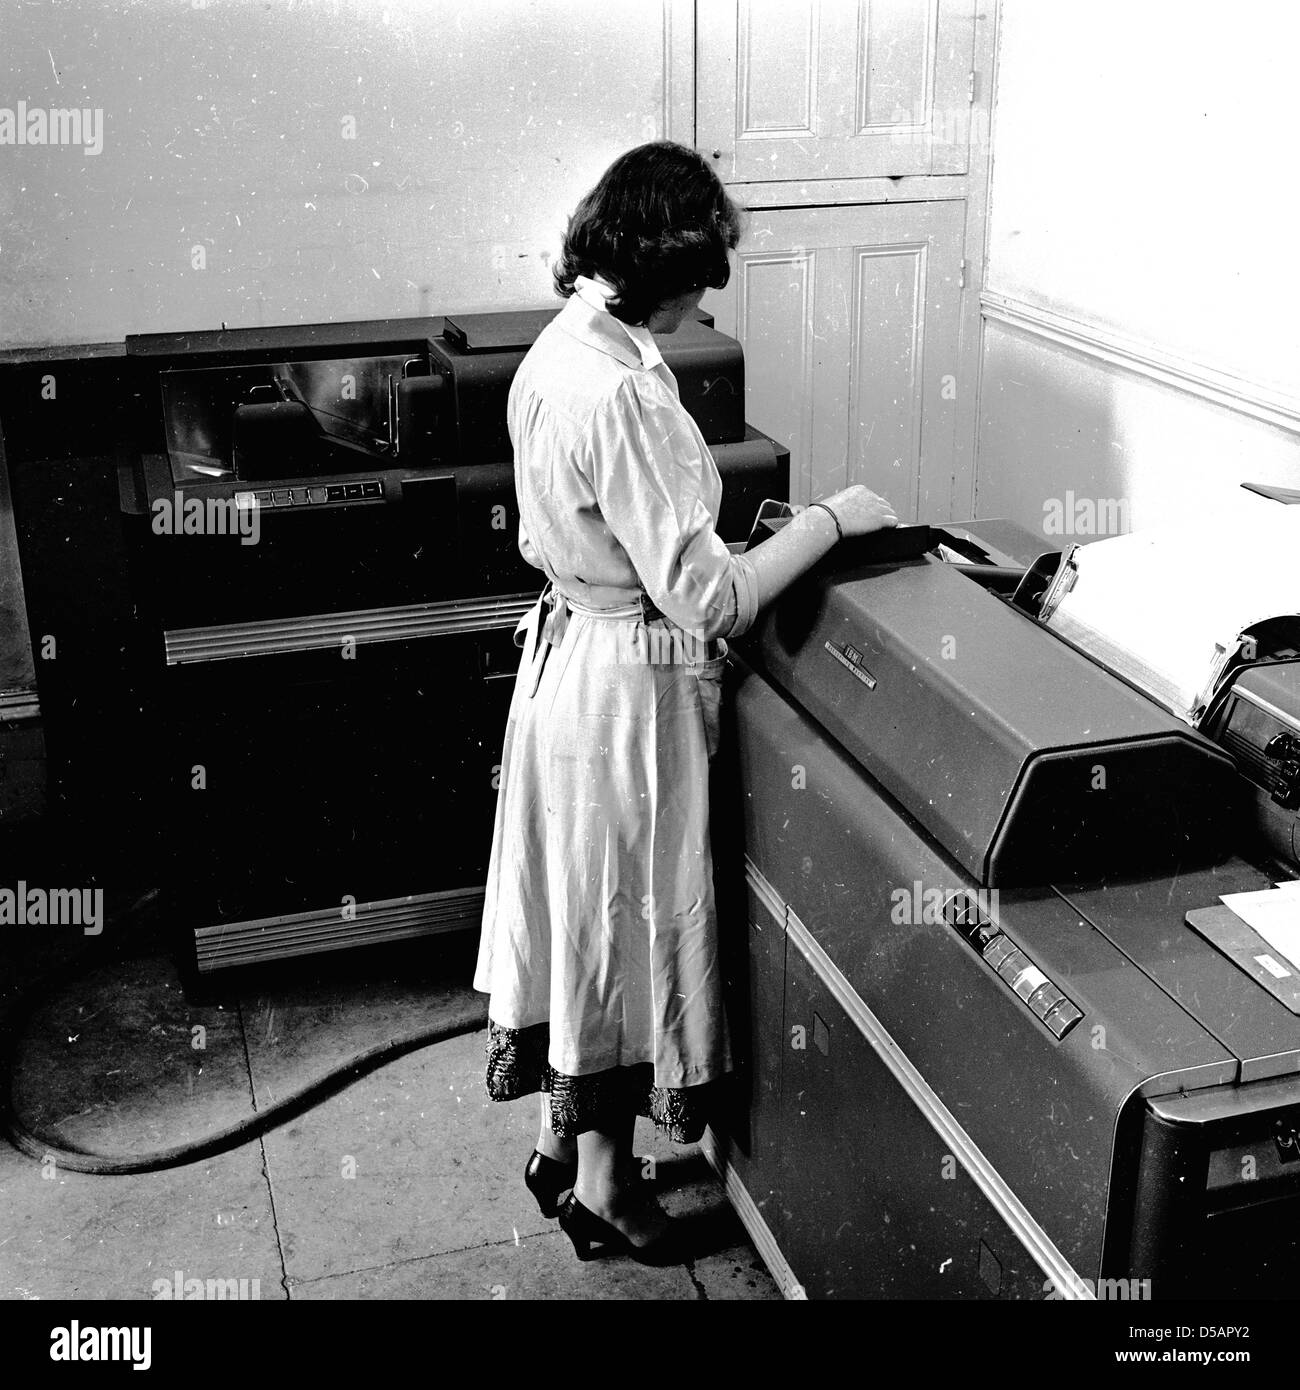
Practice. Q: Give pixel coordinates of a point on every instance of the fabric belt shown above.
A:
(539, 629)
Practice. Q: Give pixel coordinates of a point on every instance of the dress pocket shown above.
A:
(708, 682)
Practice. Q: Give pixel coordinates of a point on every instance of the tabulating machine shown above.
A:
(281, 569)
(1002, 1039)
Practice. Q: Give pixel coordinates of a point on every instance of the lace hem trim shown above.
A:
(517, 1066)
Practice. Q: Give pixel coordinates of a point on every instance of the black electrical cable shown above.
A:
(251, 1127)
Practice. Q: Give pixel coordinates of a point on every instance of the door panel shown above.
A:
(884, 1209)
(772, 294)
(849, 317)
(754, 1125)
(817, 89)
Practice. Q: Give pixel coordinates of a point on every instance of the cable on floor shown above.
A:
(232, 1136)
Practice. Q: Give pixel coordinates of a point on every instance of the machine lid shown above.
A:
(517, 331)
(1146, 919)
(514, 332)
(363, 337)
(1025, 759)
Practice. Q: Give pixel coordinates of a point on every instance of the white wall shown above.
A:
(477, 127)
(1142, 310)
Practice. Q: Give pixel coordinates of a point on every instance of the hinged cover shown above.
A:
(1026, 760)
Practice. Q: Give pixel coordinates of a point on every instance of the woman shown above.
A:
(599, 945)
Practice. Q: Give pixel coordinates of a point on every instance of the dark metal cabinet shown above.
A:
(887, 1211)
(758, 1041)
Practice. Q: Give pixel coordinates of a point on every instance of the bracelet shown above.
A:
(839, 529)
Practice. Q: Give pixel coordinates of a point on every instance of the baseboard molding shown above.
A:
(714, 1150)
(1221, 388)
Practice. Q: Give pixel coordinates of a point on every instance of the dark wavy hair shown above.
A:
(658, 224)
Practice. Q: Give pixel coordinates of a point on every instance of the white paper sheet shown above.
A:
(1165, 607)
(1274, 914)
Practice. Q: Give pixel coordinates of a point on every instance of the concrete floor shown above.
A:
(407, 1184)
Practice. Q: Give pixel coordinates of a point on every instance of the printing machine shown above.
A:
(299, 735)
(989, 1053)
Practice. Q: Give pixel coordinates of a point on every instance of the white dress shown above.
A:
(599, 943)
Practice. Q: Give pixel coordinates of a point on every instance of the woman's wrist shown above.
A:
(821, 522)
(795, 548)
(825, 509)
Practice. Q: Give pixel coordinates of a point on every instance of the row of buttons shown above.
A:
(306, 496)
(1044, 999)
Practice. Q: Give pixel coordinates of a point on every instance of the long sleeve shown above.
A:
(648, 491)
(527, 549)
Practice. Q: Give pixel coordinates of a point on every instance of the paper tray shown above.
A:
(1237, 940)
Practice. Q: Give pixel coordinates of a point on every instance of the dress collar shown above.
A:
(593, 292)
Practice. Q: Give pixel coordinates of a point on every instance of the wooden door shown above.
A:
(821, 89)
(849, 317)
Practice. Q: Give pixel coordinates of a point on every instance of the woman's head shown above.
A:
(658, 227)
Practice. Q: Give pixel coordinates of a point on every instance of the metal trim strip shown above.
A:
(325, 926)
(321, 631)
(324, 934)
(764, 891)
(208, 965)
(19, 704)
(226, 944)
(1275, 1064)
(1187, 1081)
(387, 910)
(751, 1218)
(1066, 1281)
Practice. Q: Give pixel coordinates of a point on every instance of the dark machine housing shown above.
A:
(283, 572)
(999, 1041)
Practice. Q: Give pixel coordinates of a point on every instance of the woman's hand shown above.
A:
(781, 559)
(861, 511)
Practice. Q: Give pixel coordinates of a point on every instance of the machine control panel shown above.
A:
(314, 494)
(1284, 751)
(1044, 999)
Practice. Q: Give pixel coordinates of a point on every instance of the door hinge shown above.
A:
(970, 87)
(961, 277)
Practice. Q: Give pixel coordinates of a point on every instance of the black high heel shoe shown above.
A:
(585, 1229)
(548, 1178)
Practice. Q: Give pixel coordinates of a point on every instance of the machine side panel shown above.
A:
(750, 1135)
(1042, 1110)
(885, 1209)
